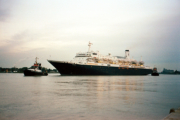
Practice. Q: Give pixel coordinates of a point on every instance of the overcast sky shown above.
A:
(58, 29)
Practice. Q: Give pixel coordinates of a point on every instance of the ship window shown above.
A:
(94, 53)
(83, 55)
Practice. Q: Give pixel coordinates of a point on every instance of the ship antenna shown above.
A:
(36, 60)
(89, 46)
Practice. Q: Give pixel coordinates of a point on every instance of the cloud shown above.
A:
(3, 14)
(5, 9)
(148, 29)
(20, 43)
(21, 60)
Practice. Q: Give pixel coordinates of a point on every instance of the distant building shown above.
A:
(166, 71)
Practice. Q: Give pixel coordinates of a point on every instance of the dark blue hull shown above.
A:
(32, 73)
(155, 74)
(76, 69)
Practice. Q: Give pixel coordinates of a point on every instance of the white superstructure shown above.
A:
(95, 58)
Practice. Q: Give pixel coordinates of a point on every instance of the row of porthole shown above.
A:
(122, 68)
(127, 68)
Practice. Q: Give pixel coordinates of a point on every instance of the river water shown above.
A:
(56, 97)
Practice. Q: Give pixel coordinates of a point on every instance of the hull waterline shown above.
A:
(65, 68)
(33, 73)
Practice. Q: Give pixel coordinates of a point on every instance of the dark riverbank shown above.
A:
(21, 70)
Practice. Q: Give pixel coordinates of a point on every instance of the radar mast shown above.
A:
(89, 46)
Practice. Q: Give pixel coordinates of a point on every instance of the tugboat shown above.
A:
(155, 73)
(35, 70)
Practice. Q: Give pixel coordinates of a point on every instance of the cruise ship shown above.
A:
(93, 63)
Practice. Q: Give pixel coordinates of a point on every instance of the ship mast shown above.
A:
(89, 46)
(36, 60)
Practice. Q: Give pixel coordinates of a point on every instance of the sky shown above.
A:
(58, 29)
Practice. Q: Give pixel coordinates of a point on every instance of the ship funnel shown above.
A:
(127, 54)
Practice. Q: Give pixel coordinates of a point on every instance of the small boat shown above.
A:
(155, 73)
(35, 70)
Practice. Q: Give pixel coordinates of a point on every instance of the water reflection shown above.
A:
(99, 95)
(99, 88)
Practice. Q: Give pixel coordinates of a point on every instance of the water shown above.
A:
(87, 97)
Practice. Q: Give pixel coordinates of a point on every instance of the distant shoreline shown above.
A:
(21, 70)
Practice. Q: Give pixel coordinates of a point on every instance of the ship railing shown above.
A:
(124, 66)
(102, 64)
(148, 67)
